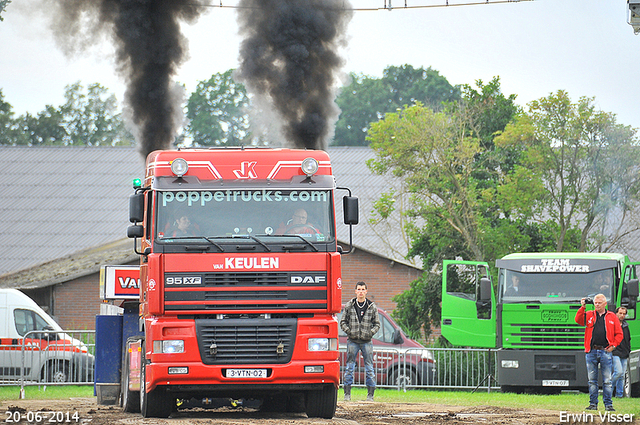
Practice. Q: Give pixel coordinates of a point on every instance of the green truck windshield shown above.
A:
(518, 287)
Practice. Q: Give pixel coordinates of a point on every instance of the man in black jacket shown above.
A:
(621, 355)
(360, 321)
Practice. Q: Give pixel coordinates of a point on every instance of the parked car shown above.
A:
(30, 338)
(397, 359)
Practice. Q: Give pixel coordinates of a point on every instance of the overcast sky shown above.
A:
(536, 47)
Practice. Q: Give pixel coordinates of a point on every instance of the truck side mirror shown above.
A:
(135, 231)
(136, 207)
(485, 290)
(350, 209)
(632, 291)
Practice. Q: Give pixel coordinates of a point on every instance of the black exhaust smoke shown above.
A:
(149, 50)
(289, 58)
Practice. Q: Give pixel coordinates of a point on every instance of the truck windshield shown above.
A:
(261, 213)
(554, 287)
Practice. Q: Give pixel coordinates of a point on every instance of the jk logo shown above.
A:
(246, 170)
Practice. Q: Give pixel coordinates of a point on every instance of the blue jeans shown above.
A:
(617, 380)
(352, 357)
(604, 360)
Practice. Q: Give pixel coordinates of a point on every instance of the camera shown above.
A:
(588, 300)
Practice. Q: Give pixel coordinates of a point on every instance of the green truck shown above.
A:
(528, 317)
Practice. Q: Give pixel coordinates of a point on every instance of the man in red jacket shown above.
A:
(602, 335)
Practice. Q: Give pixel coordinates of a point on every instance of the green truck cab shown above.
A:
(529, 316)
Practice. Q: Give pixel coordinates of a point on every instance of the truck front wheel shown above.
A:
(322, 403)
(156, 403)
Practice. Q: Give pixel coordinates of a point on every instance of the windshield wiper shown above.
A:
(197, 237)
(253, 238)
(299, 237)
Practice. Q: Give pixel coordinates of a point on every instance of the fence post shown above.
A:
(488, 377)
(22, 394)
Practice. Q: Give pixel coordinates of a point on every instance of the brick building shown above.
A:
(384, 277)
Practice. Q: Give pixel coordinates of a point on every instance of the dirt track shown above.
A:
(352, 413)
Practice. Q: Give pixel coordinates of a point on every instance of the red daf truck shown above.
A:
(239, 280)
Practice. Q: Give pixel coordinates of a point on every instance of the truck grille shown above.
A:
(246, 341)
(560, 336)
(555, 367)
(246, 291)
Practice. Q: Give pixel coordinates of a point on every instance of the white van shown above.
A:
(32, 342)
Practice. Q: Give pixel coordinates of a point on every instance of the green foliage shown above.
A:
(450, 171)
(92, 118)
(417, 308)
(362, 102)
(87, 118)
(485, 179)
(217, 112)
(366, 100)
(6, 120)
(579, 167)
(435, 157)
(3, 6)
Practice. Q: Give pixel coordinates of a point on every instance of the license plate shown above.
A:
(246, 373)
(555, 383)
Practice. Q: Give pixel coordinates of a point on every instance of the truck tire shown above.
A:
(322, 403)
(635, 390)
(130, 400)
(156, 403)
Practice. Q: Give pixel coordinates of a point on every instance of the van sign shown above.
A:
(120, 282)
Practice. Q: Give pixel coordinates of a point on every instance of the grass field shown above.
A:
(569, 402)
(50, 392)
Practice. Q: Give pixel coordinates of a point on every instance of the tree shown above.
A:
(449, 166)
(6, 121)
(365, 100)
(585, 163)
(217, 112)
(362, 102)
(3, 6)
(456, 170)
(47, 128)
(88, 118)
(92, 119)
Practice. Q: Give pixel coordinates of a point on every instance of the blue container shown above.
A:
(108, 349)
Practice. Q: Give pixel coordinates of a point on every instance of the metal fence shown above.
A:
(63, 358)
(444, 368)
(48, 357)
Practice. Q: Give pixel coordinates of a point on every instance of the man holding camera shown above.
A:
(602, 335)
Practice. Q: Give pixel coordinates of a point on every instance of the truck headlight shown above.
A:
(323, 344)
(168, 346)
(310, 166)
(510, 364)
(179, 167)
